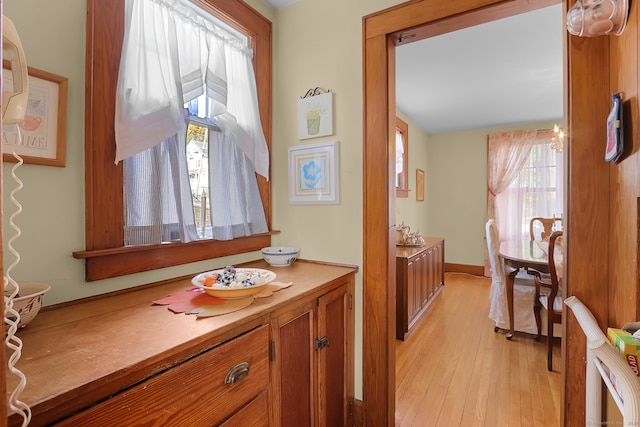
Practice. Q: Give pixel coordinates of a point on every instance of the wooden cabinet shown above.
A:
(313, 357)
(419, 279)
(286, 359)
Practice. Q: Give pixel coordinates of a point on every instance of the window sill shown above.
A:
(115, 262)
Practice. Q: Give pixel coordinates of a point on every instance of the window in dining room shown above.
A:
(537, 190)
(402, 158)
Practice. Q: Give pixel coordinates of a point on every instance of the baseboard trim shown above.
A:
(476, 270)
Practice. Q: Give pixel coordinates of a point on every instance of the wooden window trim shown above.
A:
(105, 253)
(402, 190)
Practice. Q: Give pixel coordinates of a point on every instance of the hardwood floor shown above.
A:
(454, 370)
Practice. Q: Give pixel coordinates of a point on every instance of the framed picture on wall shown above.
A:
(314, 174)
(40, 138)
(315, 116)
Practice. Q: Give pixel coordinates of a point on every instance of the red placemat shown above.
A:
(197, 301)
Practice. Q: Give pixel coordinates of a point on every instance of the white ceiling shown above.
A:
(496, 74)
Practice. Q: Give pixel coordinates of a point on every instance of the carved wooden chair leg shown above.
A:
(550, 341)
(536, 312)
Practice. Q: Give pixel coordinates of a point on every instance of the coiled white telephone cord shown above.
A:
(11, 316)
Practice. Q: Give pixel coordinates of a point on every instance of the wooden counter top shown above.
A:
(409, 251)
(79, 354)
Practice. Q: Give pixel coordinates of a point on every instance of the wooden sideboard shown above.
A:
(121, 360)
(419, 279)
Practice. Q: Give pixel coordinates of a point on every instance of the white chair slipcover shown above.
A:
(523, 290)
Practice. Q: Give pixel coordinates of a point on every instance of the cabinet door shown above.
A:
(293, 376)
(440, 265)
(312, 376)
(431, 268)
(333, 356)
(402, 300)
(419, 282)
(425, 283)
(412, 299)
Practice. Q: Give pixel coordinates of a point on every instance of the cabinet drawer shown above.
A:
(253, 414)
(192, 393)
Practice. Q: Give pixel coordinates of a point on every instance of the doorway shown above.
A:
(420, 19)
(453, 90)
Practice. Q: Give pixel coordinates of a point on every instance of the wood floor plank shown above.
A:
(454, 370)
(475, 408)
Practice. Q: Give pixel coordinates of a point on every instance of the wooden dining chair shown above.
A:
(545, 223)
(549, 293)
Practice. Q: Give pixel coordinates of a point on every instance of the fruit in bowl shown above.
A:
(280, 256)
(233, 283)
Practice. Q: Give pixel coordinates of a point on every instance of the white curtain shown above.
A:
(171, 55)
(506, 155)
(235, 181)
(399, 153)
(157, 195)
(524, 179)
(242, 86)
(536, 191)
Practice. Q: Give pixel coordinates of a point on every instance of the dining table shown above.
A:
(519, 254)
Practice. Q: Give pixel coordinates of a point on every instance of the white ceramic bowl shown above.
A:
(280, 256)
(235, 290)
(29, 301)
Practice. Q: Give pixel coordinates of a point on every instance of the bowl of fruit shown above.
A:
(233, 283)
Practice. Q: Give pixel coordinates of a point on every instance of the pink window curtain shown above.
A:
(536, 191)
(507, 154)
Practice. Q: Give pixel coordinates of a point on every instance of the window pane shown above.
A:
(198, 161)
(537, 190)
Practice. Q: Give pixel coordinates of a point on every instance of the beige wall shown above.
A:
(408, 210)
(457, 190)
(455, 204)
(319, 44)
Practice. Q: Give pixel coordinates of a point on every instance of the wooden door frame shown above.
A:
(382, 31)
(3, 351)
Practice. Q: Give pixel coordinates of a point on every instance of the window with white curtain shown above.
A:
(187, 127)
(536, 191)
(402, 158)
(105, 253)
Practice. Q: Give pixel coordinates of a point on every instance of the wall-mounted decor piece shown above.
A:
(40, 138)
(420, 185)
(314, 174)
(615, 134)
(315, 114)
